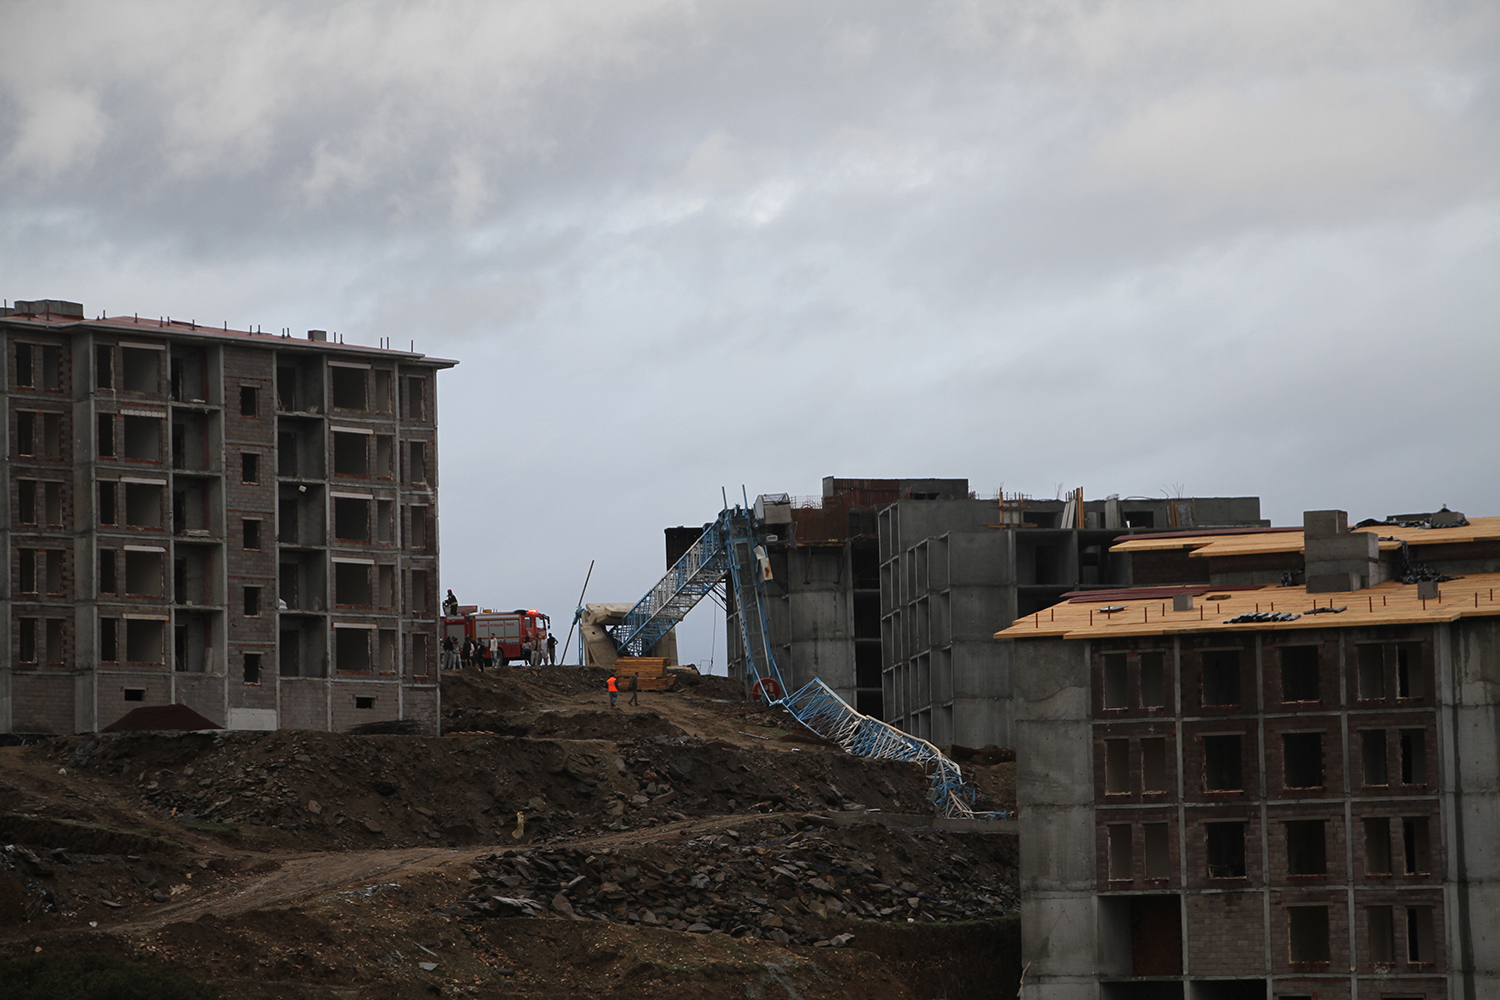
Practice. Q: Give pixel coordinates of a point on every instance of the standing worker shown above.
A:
(635, 689)
(614, 690)
(450, 604)
(551, 650)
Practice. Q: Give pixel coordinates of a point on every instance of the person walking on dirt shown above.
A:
(635, 689)
(614, 690)
(551, 650)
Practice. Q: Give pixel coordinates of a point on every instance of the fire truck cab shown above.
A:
(508, 629)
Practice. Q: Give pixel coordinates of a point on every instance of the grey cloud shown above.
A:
(678, 246)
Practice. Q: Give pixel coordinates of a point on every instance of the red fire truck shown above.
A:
(509, 628)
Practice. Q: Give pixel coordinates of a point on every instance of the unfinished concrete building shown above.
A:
(1234, 786)
(242, 523)
(888, 589)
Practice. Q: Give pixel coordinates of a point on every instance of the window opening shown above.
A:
(25, 376)
(385, 521)
(25, 432)
(1121, 862)
(1371, 672)
(1158, 851)
(382, 401)
(143, 573)
(251, 530)
(351, 519)
(1299, 673)
(107, 571)
(249, 467)
(26, 501)
(141, 370)
(1419, 943)
(135, 694)
(1373, 755)
(143, 439)
(252, 602)
(26, 629)
(54, 560)
(421, 666)
(419, 527)
(1382, 934)
(418, 595)
(348, 387)
(1417, 848)
(1306, 847)
(105, 435)
(1409, 671)
(364, 701)
(1153, 686)
(385, 451)
(414, 409)
(52, 435)
(52, 499)
(51, 367)
(27, 559)
(249, 404)
(352, 650)
(1154, 764)
(1308, 931)
(1377, 845)
(1413, 757)
(1116, 767)
(1115, 695)
(351, 454)
(55, 654)
(1222, 764)
(1226, 849)
(417, 466)
(104, 367)
(252, 668)
(1302, 759)
(109, 640)
(107, 513)
(386, 654)
(145, 641)
(1221, 677)
(142, 505)
(351, 584)
(386, 584)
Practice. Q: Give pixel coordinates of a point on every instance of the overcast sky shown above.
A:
(1143, 248)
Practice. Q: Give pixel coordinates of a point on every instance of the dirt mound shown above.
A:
(326, 789)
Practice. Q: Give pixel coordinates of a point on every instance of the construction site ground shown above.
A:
(696, 845)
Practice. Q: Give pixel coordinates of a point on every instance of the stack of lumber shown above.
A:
(650, 672)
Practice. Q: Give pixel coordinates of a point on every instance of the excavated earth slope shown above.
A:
(685, 847)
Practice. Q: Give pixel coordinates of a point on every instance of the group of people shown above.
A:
(633, 685)
(489, 652)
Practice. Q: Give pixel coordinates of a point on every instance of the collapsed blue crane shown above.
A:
(732, 547)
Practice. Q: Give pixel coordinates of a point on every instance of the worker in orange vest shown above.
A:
(614, 690)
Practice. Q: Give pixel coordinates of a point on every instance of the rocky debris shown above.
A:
(789, 889)
(373, 791)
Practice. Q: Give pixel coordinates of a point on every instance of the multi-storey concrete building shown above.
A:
(1237, 787)
(889, 589)
(239, 522)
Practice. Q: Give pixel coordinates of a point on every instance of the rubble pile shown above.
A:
(791, 890)
(371, 791)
